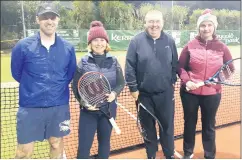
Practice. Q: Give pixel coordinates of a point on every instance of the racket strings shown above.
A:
(93, 88)
(141, 128)
(230, 76)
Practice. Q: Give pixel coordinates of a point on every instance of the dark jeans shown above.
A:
(162, 106)
(209, 106)
(89, 123)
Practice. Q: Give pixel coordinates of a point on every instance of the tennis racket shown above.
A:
(142, 128)
(227, 74)
(92, 88)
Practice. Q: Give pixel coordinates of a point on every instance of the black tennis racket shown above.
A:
(143, 128)
(228, 74)
(92, 88)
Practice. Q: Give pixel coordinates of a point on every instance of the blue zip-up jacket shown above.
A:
(151, 64)
(44, 75)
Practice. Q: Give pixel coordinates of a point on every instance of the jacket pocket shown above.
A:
(168, 54)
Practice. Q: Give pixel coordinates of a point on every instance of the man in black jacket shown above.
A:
(151, 75)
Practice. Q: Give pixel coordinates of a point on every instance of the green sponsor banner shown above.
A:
(119, 39)
(229, 37)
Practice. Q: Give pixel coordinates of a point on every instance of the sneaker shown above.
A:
(206, 157)
(188, 156)
(151, 157)
(170, 157)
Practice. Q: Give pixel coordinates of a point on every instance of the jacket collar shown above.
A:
(34, 47)
(108, 55)
(39, 38)
(202, 41)
(149, 36)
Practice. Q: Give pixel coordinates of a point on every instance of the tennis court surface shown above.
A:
(227, 141)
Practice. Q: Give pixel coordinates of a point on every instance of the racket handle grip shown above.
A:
(115, 126)
(199, 84)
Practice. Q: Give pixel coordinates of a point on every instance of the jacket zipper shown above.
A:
(154, 46)
(205, 65)
(53, 68)
(48, 55)
(99, 68)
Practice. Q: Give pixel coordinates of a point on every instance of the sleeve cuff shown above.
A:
(174, 80)
(133, 89)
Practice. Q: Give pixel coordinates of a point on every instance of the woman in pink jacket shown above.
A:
(199, 60)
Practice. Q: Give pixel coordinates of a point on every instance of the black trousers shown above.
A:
(162, 106)
(209, 106)
(89, 123)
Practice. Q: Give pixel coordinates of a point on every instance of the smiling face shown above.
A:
(206, 30)
(48, 23)
(154, 23)
(98, 45)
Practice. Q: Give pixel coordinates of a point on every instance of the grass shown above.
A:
(9, 107)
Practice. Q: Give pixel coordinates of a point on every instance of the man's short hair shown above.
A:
(153, 12)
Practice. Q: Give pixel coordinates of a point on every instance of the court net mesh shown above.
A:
(228, 112)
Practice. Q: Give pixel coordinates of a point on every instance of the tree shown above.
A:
(30, 9)
(173, 19)
(82, 14)
(179, 15)
(10, 20)
(117, 15)
(227, 19)
(145, 8)
(66, 19)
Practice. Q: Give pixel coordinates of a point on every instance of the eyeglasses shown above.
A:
(154, 21)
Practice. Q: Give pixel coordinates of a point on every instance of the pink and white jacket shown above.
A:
(199, 60)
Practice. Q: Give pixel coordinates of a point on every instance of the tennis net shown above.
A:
(228, 113)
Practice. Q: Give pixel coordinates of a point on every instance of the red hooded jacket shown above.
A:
(199, 60)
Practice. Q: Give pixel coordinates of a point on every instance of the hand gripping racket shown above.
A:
(92, 88)
(228, 74)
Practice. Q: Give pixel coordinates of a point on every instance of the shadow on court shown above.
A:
(219, 155)
(228, 147)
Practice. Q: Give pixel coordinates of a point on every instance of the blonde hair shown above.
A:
(154, 12)
(108, 48)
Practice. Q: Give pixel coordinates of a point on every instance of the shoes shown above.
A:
(151, 157)
(186, 156)
(206, 157)
(170, 157)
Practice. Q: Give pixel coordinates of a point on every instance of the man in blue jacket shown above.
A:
(44, 65)
(151, 75)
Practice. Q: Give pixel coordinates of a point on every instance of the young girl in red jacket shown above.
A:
(199, 60)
